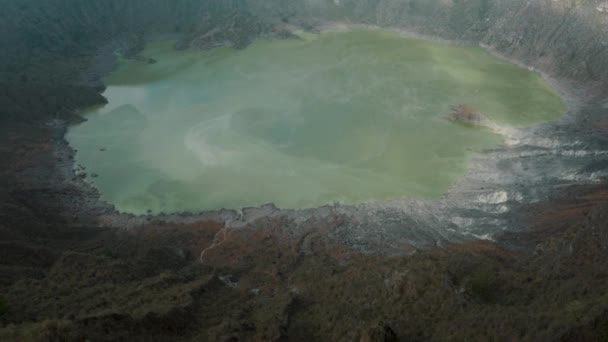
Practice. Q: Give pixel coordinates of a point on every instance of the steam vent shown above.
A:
(304, 170)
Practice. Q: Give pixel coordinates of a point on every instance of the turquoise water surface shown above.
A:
(347, 116)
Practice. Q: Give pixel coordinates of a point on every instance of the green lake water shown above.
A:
(346, 117)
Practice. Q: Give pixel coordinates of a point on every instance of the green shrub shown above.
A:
(3, 307)
(483, 284)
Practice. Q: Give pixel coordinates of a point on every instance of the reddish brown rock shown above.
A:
(468, 115)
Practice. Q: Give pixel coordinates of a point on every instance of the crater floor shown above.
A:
(349, 116)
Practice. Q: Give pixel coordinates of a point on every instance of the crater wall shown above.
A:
(566, 38)
(174, 275)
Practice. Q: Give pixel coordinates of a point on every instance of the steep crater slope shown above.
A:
(565, 38)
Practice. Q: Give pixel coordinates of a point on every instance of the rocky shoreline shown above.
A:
(417, 223)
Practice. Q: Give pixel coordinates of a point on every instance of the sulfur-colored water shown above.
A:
(348, 116)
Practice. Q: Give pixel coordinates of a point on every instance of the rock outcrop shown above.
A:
(468, 115)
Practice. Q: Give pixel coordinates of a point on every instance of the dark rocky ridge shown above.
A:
(303, 281)
(566, 38)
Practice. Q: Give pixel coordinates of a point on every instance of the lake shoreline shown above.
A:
(241, 217)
